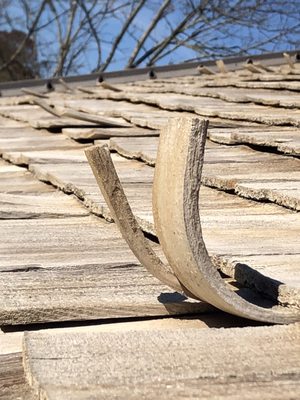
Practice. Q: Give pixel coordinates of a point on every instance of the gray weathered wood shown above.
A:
(252, 174)
(285, 140)
(261, 226)
(142, 115)
(23, 196)
(13, 384)
(232, 226)
(67, 155)
(104, 133)
(249, 363)
(38, 118)
(77, 269)
(274, 266)
(37, 143)
(249, 173)
(17, 132)
(236, 95)
(138, 148)
(107, 179)
(96, 119)
(14, 100)
(176, 214)
(211, 107)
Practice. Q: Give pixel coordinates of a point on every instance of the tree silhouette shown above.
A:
(63, 37)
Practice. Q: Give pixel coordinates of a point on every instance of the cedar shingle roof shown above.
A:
(62, 259)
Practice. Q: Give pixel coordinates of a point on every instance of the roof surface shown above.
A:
(64, 262)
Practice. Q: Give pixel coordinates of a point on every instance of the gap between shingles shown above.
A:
(100, 215)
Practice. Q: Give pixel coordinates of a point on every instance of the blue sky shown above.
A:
(48, 45)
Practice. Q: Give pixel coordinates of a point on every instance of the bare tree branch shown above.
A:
(147, 32)
(122, 33)
(65, 45)
(69, 36)
(93, 30)
(165, 42)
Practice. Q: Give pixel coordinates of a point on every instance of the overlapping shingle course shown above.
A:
(59, 263)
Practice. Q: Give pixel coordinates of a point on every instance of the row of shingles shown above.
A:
(13, 382)
(65, 341)
(223, 91)
(226, 87)
(42, 381)
(249, 173)
(141, 115)
(23, 197)
(44, 276)
(17, 152)
(81, 186)
(270, 178)
(11, 360)
(41, 115)
(221, 82)
(208, 107)
(284, 98)
(229, 267)
(268, 262)
(236, 78)
(80, 255)
(141, 148)
(17, 289)
(93, 335)
(77, 269)
(224, 214)
(180, 362)
(136, 278)
(47, 114)
(150, 118)
(36, 384)
(288, 195)
(20, 152)
(282, 140)
(56, 268)
(286, 141)
(18, 180)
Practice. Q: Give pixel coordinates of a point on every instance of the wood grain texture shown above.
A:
(211, 107)
(236, 79)
(39, 142)
(141, 115)
(232, 226)
(101, 163)
(41, 119)
(77, 269)
(8, 123)
(252, 174)
(59, 156)
(279, 268)
(13, 385)
(138, 148)
(176, 213)
(95, 119)
(250, 229)
(266, 97)
(248, 363)
(18, 132)
(104, 133)
(23, 196)
(285, 140)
